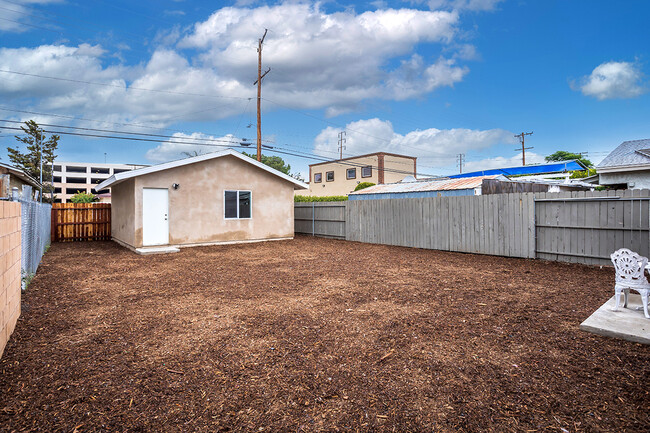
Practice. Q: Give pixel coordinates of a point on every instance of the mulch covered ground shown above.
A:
(316, 335)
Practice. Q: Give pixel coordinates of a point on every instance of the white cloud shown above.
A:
(318, 60)
(613, 80)
(472, 5)
(503, 162)
(16, 15)
(433, 147)
(178, 147)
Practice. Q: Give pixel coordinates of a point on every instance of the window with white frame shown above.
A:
(351, 173)
(237, 204)
(366, 171)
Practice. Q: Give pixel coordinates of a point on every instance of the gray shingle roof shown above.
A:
(635, 152)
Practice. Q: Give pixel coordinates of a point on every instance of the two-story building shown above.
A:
(70, 178)
(341, 176)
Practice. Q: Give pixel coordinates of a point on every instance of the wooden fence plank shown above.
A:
(71, 222)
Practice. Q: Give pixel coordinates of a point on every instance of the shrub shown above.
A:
(82, 197)
(363, 185)
(311, 198)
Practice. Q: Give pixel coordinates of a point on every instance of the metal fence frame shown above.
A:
(34, 232)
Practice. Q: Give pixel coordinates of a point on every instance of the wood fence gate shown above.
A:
(72, 222)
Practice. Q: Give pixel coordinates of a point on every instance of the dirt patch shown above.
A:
(316, 335)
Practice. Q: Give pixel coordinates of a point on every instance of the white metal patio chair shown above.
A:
(630, 275)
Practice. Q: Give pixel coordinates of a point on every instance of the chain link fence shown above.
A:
(35, 231)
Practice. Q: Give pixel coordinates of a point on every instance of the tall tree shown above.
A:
(273, 162)
(562, 155)
(40, 151)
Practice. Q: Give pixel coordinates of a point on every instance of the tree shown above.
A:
(562, 155)
(40, 149)
(274, 162)
(38, 145)
(83, 197)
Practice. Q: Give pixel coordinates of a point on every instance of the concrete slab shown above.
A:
(156, 250)
(626, 323)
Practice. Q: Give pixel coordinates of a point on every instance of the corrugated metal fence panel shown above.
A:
(493, 224)
(325, 219)
(586, 227)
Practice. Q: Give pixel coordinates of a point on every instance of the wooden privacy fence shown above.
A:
(500, 224)
(73, 222)
(586, 227)
(325, 219)
(581, 227)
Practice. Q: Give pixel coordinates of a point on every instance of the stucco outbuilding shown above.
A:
(219, 197)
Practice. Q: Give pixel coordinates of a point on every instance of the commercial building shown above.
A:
(73, 177)
(341, 176)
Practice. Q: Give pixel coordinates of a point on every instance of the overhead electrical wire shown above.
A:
(171, 92)
(232, 143)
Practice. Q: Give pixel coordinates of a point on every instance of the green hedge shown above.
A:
(311, 198)
(364, 185)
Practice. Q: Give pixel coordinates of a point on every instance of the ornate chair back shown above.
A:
(630, 268)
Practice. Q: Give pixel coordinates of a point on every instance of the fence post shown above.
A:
(313, 219)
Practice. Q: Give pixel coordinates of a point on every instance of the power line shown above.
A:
(171, 92)
(232, 144)
(523, 147)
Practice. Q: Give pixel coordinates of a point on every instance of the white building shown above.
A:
(73, 177)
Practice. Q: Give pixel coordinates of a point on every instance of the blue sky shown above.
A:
(426, 78)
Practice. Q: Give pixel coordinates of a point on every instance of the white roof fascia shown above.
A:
(120, 177)
(617, 168)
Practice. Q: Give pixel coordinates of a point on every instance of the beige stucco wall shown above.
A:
(397, 163)
(123, 211)
(196, 213)
(343, 186)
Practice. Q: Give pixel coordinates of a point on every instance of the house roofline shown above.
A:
(414, 158)
(120, 177)
(617, 168)
(22, 175)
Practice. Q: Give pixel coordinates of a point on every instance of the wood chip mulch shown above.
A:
(316, 335)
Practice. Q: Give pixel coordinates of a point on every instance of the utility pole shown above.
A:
(461, 160)
(259, 95)
(521, 138)
(342, 140)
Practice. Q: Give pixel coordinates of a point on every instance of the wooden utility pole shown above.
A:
(259, 95)
(521, 138)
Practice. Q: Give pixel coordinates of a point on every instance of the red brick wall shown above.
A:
(9, 270)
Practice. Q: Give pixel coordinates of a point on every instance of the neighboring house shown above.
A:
(73, 177)
(424, 188)
(627, 166)
(13, 177)
(219, 197)
(341, 176)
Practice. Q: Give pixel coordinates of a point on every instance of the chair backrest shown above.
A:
(630, 267)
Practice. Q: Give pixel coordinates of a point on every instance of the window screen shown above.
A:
(351, 173)
(230, 204)
(366, 171)
(244, 204)
(318, 177)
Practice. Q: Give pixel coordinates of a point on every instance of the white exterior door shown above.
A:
(155, 216)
